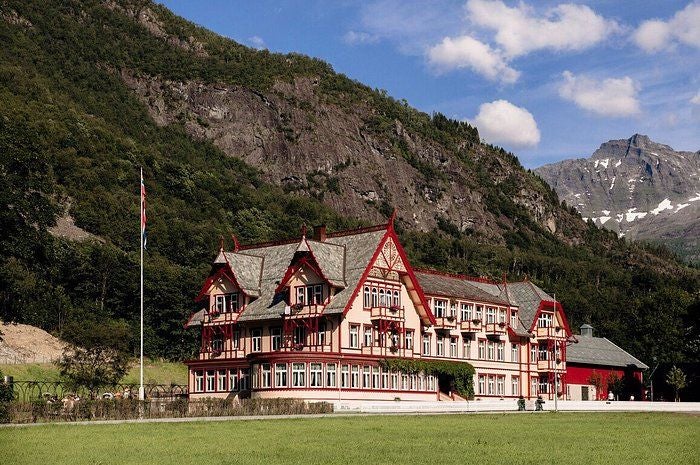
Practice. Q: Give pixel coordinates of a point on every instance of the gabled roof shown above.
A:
(600, 351)
(247, 269)
(443, 284)
(528, 297)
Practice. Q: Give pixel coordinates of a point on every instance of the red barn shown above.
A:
(597, 357)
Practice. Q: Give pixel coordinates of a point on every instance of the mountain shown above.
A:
(638, 188)
(238, 141)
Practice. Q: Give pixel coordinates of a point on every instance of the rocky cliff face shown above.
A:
(637, 188)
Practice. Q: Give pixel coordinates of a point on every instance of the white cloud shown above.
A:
(610, 97)
(467, 52)
(360, 38)
(256, 42)
(696, 99)
(655, 35)
(520, 31)
(501, 122)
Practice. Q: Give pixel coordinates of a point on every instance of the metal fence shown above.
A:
(32, 390)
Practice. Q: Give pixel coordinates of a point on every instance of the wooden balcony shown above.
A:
(387, 314)
(496, 329)
(471, 326)
(545, 366)
(445, 323)
(303, 311)
(212, 317)
(550, 332)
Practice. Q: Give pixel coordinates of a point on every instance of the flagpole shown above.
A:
(141, 391)
(556, 373)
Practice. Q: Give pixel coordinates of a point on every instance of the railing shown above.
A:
(387, 313)
(550, 365)
(213, 317)
(446, 322)
(550, 332)
(304, 311)
(470, 326)
(56, 390)
(496, 329)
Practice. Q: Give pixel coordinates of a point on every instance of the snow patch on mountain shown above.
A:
(665, 204)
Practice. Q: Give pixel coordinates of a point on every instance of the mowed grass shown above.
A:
(155, 372)
(564, 438)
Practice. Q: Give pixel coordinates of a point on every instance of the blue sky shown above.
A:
(547, 80)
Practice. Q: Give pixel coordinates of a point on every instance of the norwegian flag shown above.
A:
(143, 212)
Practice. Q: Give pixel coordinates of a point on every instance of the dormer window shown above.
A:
(310, 295)
(545, 320)
(513, 319)
(440, 307)
(226, 303)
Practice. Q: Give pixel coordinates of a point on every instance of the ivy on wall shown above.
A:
(461, 372)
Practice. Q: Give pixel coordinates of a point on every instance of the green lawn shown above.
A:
(576, 438)
(155, 371)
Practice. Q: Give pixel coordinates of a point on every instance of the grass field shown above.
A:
(575, 438)
(155, 372)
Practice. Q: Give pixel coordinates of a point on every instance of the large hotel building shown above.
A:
(315, 317)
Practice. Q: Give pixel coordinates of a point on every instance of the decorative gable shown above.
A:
(389, 258)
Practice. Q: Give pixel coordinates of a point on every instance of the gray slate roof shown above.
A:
(330, 258)
(452, 286)
(248, 270)
(600, 351)
(527, 297)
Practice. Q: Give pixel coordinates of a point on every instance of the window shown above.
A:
(514, 353)
(501, 385)
(420, 382)
(479, 312)
(489, 348)
(482, 350)
(482, 384)
(492, 385)
(515, 385)
(236, 340)
(299, 335)
(542, 354)
(397, 299)
(318, 294)
(453, 347)
(431, 382)
(221, 380)
(426, 344)
(310, 295)
(375, 300)
(409, 341)
(533, 354)
(344, 375)
(280, 375)
(453, 310)
(439, 306)
(245, 379)
(298, 374)
(375, 377)
(367, 300)
(545, 320)
(366, 377)
(404, 382)
(490, 315)
(321, 335)
(513, 319)
(501, 315)
(217, 343)
(466, 348)
(276, 338)
(210, 380)
(330, 375)
(256, 340)
(544, 384)
(354, 336)
(533, 387)
(465, 312)
(500, 352)
(440, 347)
(301, 295)
(226, 302)
(233, 380)
(355, 377)
(315, 375)
(385, 380)
(198, 381)
(394, 381)
(382, 298)
(368, 336)
(266, 376)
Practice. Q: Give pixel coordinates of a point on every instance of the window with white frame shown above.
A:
(256, 339)
(298, 374)
(383, 298)
(366, 377)
(501, 385)
(501, 315)
(375, 298)
(224, 303)
(221, 380)
(404, 382)
(453, 347)
(453, 310)
(431, 382)
(409, 340)
(542, 353)
(420, 382)
(394, 381)
(236, 340)
(354, 336)
(426, 344)
(482, 385)
(466, 347)
(311, 294)
(217, 343)
(490, 315)
(233, 380)
(355, 376)
(482, 350)
(368, 336)
(533, 386)
(276, 338)
(280, 375)
(489, 349)
(491, 385)
(533, 354)
(439, 307)
(266, 376)
(500, 352)
(375, 377)
(315, 375)
(330, 375)
(344, 376)
(211, 375)
(513, 319)
(514, 353)
(367, 299)
(440, 347)
(198, 381)
(515, 385)
(544, 320)
(385, 380)
(321, 335)
(465, 311)
(299, 335)
(479, 312)
(245, 379)
(396, 301)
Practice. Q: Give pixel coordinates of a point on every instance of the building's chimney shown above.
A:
(587, 330)
(320, 233)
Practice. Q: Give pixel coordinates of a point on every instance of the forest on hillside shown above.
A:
(71, 133)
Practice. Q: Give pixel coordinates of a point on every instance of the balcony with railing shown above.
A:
(215, 317)
(550, 332)
(557, 365)
(496, 329)
(300, 311)
(471, 326)
(445, 323)
(392, 313)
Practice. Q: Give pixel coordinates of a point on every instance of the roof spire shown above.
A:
(390, 224)
(303, 230)
(221, 243)
(236, 245)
